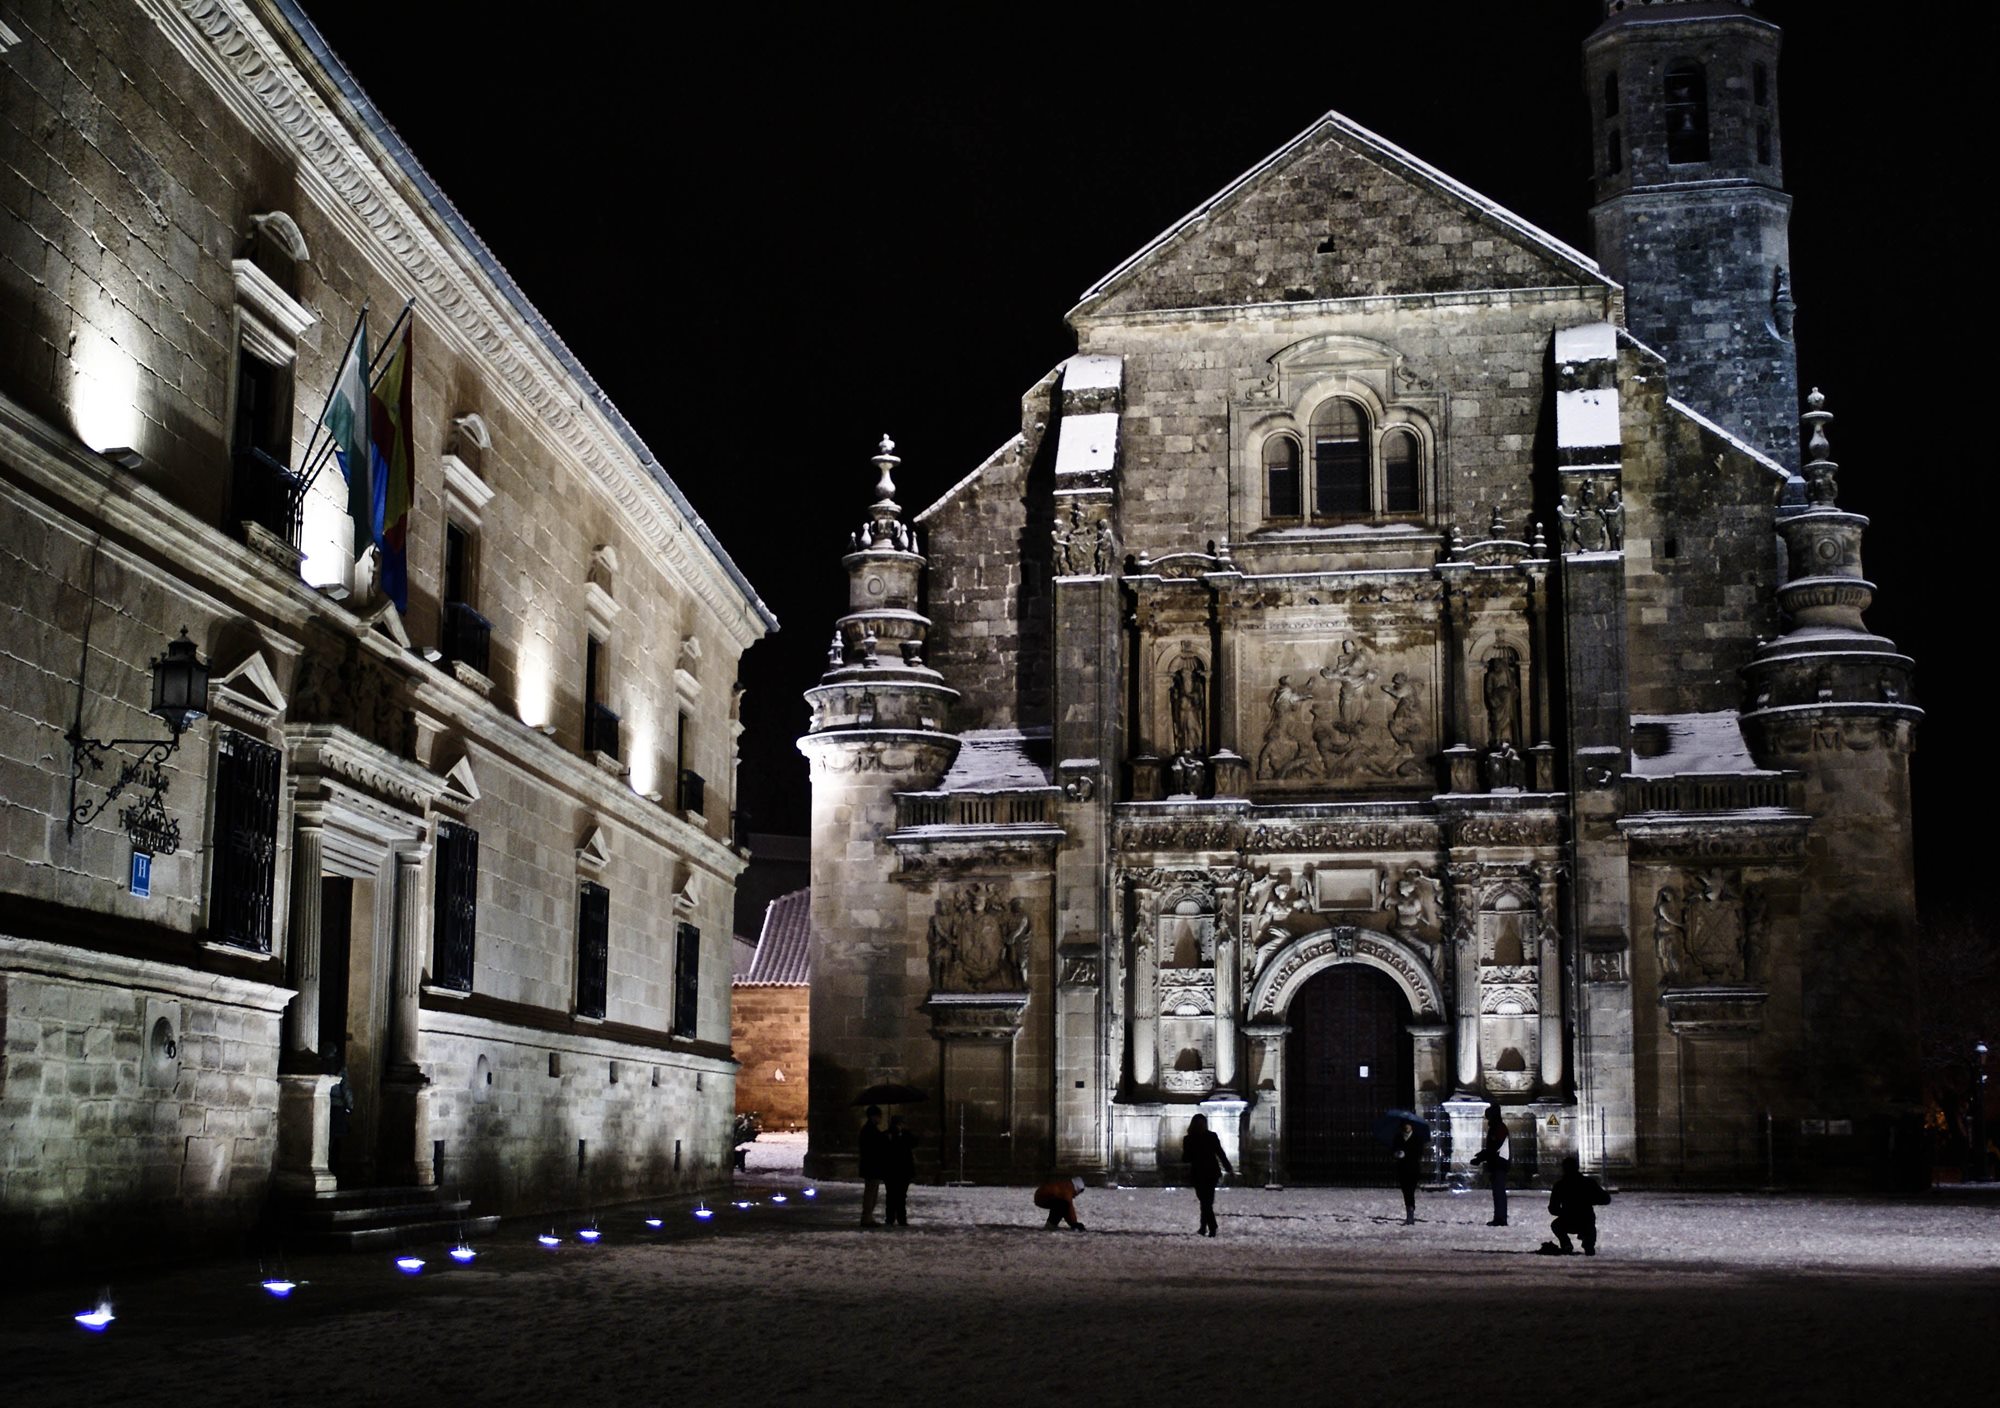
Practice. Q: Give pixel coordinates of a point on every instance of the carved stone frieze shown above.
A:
(1353, 719)
(1187, 992)
(1345, 943)
(1180, 834)
(1078, 968)
(1507, 829)
(976, 1018)
(1710, 841)
(1386, 834)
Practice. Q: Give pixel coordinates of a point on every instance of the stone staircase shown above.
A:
(374, 1219)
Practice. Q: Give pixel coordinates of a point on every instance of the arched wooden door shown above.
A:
(1347, 1062)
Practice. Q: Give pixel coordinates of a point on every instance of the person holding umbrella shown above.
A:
(1496, 1152)
(899, 1170)
(873, 1154)
(1202, 1151)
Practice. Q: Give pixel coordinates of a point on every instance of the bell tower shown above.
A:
(1690, 211)
(879, 721)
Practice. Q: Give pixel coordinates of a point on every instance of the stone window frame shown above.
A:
(1383, 419)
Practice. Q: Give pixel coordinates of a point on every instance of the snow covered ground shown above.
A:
(1316, 1294)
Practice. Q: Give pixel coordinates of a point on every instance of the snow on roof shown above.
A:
(1591, 342)
(1092, 372)
(1734, 439)
(1670, 745)
(1381, 149)
(784, 948)
(1585, 419)
(996, 760)
(1088, 442)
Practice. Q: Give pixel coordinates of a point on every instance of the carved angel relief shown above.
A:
(979, 942)
(1344, 721)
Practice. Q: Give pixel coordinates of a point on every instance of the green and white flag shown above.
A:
(347, 426)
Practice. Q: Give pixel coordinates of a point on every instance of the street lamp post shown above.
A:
(1976, 1171)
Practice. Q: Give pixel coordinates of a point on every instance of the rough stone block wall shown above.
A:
(1701, 550)
(1331, 222)
(104, 1136)
(770, 1031)
(651, 1123)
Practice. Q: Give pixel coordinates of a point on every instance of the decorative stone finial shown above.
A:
(1539, 545)
(886, 461)
(1498, 528)
(1820, 470)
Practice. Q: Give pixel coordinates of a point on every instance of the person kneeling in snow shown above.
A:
(1575, 1200)
(1059, 1196)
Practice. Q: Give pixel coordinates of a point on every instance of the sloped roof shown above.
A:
(1376, 148)
(997, 760)
(784, 947)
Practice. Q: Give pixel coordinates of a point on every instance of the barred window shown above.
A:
(1340, 460)
(456, 906)
(593, 948)
(687, 978)
(246, 841)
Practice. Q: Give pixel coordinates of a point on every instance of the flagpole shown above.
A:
(313, 439)
(374, 380)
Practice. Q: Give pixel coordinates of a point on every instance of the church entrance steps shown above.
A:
(369, 1219)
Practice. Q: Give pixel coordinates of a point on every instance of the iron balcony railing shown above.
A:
(600, 731)
(266, 493)
(467, 636)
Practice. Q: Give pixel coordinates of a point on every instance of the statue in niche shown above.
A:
(978, 942)
(1406, 724)
(1188, 696)
(1184, 774)
(1503, 698)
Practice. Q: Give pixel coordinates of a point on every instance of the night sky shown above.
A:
(777, 235)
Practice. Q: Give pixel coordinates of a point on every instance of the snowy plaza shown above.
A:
(1693, 1298)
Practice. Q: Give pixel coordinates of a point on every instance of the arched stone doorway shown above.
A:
(1348, 1060)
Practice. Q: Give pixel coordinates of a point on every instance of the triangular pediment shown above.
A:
(594, 853)
(250, 685)
(389, 621)
(461, 788)
(1337, 212)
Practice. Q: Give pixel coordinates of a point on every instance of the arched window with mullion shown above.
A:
(1282, 489)
(1340, 461)
(1686, 93)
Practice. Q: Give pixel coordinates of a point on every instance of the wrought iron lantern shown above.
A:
(180, 696)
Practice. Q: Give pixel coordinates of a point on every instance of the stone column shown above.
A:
(1465, 969)
(1264, 1129)
(1428, 1057)
(1227, 975)
(405, 1131)
(1551, 978)
(1145, 989)
(302, 949)
(1538, 673)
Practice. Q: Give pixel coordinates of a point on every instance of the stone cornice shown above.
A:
(83, 965)
(460, 287)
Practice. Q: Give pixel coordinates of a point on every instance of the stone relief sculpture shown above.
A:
(978, 942)
(1084, 545)
(1591, 524)
(1275, 909)
(1708, 929)
(1335, 725)
(1412, 899)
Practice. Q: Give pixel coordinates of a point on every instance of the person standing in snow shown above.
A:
(1202, 1151)
(899, 1170)
(870, 1162)
(1575, 1200)
(1497, 1154)
(1059, 1196)
(1408, 1152)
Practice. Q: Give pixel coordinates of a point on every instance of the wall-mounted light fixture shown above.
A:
(180, 696)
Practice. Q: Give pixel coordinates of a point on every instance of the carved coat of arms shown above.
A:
(979, 942)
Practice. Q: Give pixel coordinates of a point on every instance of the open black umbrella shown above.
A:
(891, 1094)
(1391, 1122)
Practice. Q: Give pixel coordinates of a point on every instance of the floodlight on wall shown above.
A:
(180, 696)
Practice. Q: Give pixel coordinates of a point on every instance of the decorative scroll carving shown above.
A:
(978, 942)
(1708, 928)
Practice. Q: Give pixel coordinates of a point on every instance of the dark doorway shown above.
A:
(1347, 1061)
(336, 954)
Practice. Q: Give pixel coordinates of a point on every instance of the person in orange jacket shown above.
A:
(1059, 1196)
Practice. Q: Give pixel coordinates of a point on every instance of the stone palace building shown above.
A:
(1401, 661)
(469, 862)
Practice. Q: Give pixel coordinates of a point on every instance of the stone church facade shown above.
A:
(472, 861)
(1401, 661)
